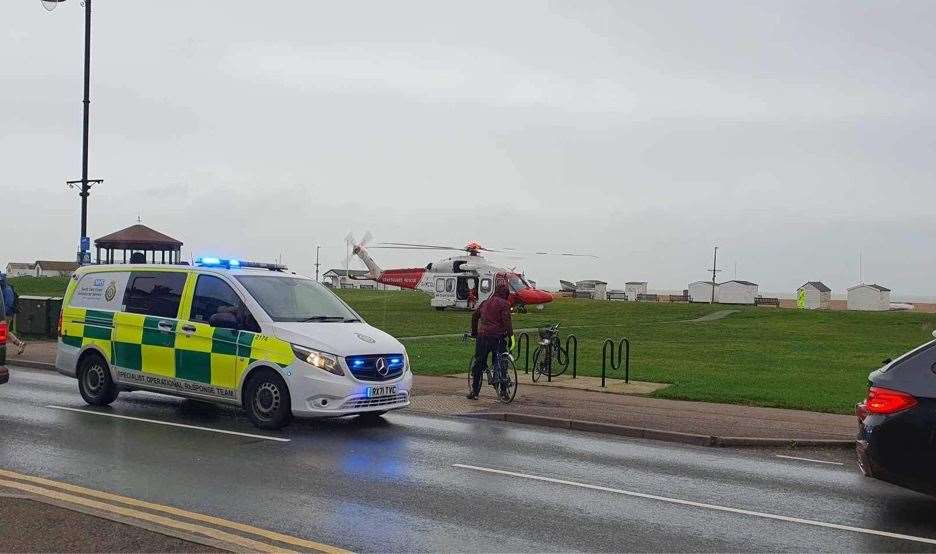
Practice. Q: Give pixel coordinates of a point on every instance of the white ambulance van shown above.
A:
(276, 343)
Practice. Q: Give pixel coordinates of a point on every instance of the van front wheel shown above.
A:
(267, 401)
(94, 381)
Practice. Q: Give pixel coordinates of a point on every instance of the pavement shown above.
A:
(30, 525)
(417, 482)
(558, 405)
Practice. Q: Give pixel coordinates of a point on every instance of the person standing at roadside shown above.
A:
(9, 306)
(472, 294)
(491, 325)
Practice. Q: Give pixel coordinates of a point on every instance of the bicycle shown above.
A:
(549, 355)
(503, 379)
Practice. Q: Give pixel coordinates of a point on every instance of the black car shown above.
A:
(897, 422)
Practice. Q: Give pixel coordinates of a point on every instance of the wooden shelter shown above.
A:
(143, 245)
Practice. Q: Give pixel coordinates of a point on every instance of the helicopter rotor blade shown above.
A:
(407, 246)
(567, 254)
(418, 248)
(426, 246)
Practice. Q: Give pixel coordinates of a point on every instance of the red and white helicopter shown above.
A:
(460, 282)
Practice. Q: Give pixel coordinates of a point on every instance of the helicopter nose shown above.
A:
(534, 296)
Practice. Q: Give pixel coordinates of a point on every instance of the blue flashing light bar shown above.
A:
(211, 261)
(395, 362)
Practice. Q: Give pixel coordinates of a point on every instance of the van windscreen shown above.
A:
(295, 299)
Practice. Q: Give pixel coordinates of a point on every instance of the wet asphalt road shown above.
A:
(395, 486)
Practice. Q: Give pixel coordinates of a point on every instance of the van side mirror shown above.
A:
(224, 320)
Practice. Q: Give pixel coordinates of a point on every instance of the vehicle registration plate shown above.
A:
(384, 390)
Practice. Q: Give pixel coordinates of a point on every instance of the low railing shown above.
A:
(608, 355)
(571, 345)
(523, 341)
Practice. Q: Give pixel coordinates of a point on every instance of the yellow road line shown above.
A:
(223, 536)
(265, 533)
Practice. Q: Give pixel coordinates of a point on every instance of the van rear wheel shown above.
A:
(94, 381)
(267, 401)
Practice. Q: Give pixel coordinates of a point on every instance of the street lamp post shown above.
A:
(84, 247)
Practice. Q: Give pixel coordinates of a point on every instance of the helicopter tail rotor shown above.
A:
(358, 249)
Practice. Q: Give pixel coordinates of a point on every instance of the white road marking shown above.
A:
(703, 505)
(809, 460)
(170, 424)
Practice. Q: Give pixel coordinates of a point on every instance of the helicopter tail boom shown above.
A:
(373, 270)
(403, 278)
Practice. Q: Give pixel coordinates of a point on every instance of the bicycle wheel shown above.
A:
(539, 364)
(508, 385)
(470, 369)
(560, 359)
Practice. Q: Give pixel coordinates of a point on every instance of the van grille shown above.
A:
(364, 402)
(365, 368)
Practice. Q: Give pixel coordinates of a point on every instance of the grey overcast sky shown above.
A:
(792, 134)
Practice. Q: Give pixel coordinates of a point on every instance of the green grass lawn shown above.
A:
(39, 286)
(814, 360)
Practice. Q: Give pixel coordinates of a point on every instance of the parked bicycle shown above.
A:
(503, 377)
(549, 358)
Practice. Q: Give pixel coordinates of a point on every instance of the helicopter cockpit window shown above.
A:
(485, 285)
(517, 283)
(440, 285)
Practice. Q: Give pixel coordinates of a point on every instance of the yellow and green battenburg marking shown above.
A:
(135, 342)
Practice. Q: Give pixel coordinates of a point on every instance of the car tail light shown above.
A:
(60, 323)
(886, 401)
(4, 331)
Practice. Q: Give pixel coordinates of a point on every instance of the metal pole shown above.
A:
(85, 187)
(714, 265)
(317, 263)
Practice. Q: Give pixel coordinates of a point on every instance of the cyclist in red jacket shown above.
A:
(491, 326)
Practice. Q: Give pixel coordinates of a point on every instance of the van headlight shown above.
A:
(321, 360)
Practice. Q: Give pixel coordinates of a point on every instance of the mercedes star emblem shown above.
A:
(382, 368)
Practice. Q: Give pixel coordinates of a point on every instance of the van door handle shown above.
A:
(164, 326)
(188, 329)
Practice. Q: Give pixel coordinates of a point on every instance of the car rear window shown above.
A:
(921, 359)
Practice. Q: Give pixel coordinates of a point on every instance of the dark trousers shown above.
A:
(485, 347)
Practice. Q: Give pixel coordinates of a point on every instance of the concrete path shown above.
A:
(581, 382)
(445, 395)
(714, 316)
(29, 525)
